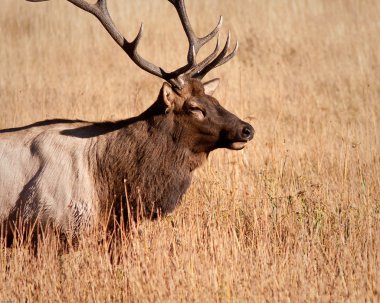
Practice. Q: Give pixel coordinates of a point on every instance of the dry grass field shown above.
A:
(294, 217)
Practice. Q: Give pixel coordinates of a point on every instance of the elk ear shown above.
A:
(211, 86)
(168, 95)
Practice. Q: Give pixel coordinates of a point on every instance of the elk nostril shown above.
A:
(247, 132)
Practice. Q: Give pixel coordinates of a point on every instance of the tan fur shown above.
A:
(46, 176)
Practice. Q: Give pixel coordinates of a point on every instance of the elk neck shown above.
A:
(145, 159)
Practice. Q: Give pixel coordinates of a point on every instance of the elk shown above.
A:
(71, 172)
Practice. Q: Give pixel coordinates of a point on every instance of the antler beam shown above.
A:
(100, 11)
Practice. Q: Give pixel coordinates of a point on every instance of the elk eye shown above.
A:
(197, 112)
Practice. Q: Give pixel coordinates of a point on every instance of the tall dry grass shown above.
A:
(293, 217)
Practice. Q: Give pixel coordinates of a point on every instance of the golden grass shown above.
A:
(293, 217)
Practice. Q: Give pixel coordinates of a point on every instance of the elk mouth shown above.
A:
(237, 145)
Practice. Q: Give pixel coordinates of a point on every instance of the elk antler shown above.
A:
(192, 69)
(177, 77)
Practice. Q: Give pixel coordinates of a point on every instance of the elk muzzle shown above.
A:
(243, 134)
(236, 134)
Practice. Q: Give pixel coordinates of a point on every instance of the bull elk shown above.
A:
(72, 172)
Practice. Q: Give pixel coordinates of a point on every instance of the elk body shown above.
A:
(70, 173)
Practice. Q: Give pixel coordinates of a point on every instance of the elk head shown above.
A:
(202, 124)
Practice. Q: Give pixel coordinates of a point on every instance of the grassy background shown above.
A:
(293, 217)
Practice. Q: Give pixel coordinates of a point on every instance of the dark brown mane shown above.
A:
(157, 167)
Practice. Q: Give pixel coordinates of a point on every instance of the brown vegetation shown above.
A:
(295, 216)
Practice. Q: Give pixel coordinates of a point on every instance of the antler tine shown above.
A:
(200, 66)
(219, 60)
(192, 69)
(179, 76)
(195, 43)
(100, 11)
